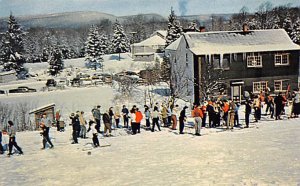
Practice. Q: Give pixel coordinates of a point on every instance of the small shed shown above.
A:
(7, 76)
(38, 112)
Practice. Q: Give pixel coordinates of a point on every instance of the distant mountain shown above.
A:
(71, 19)
(87, 18)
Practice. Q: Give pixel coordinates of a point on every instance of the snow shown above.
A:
(152, 41)
(227, 42)
(265, 154)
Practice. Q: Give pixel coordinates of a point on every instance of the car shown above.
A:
(51, 83)
(2, 92)
(22, 90)
(75, 82)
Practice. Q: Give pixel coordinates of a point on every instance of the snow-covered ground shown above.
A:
(267, 153)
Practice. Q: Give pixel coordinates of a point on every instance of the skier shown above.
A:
(248, 109)
(117, 116)
(45, 125)
(125, 113)
(155, 119)
(82, 125)
(133, 120)
(182, 118)
(203, 108)
(75, 127)
(97, 116)
(164, 115)
(12, 139)
(1, 147)
(111, 116)
(231, 114)
(93, 127)
(147, 116)
(174, 117)
(57, 118)
(138, 119)
(107, 124)
(278, 106)
(211, 113)
(198, 119)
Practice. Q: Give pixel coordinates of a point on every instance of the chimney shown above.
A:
(202, 28)
(245, 27)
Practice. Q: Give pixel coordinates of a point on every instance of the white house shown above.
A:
(145, 50)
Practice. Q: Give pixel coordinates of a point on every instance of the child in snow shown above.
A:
(12, 138)
(45, 125)
(93, 128)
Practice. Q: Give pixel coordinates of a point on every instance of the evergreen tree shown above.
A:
(276, 22)
(174, 29)
(12, 49)
(93, 53)
(296, 31)
(165, 71)
(56, 63)
(120, 43)
(288, 26)
(103, 44)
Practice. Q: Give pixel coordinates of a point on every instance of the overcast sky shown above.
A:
(131, 7)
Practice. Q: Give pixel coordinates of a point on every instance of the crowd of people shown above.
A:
(209, 114)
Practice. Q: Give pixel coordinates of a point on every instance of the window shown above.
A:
(282, 59)
(254, 61)
(259, 86)
(280, 86)
(219, 63)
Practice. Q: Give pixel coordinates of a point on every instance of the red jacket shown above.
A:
(138, 116)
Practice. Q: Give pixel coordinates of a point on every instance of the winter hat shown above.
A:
(10, 123)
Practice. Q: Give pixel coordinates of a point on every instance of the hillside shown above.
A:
(71, 19)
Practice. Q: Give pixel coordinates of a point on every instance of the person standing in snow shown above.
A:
(231, 114)
(248, 109)
(155, 119)
(57, 118)
(182, 118)
(111, 116)
(198, 115)
(125, 113)
(117, 116)
(211, 112)
(82, 124)
(175, 114)
(75, 126)
(107, 124)
(225, 109)
(169, 116)
(203, 108)
(45, 125)
(236, 115)
(93, 128)
(133, 120)
(257, 108)
(147, 116)
(138, 119)
(164, 115)
(12, 139)
(97, 117)
(1, 147)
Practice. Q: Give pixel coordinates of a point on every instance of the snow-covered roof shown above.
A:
(162, 33)
(154, 40)
(174, 45)
(144, 53)
(223, 42)
(42, 108)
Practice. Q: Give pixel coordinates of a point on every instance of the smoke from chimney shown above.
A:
(182, 6)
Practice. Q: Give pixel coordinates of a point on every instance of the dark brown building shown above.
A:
(253, 61)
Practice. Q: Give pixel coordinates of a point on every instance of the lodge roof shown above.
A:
(226, 42)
